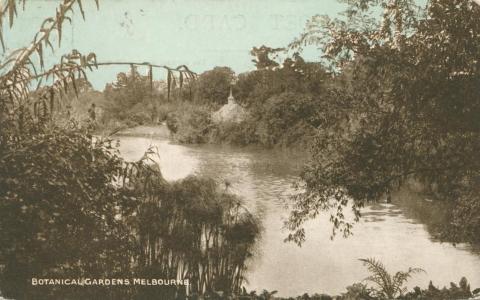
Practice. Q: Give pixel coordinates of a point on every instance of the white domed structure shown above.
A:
(230, 112)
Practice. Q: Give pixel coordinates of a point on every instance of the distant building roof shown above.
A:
(230, 112)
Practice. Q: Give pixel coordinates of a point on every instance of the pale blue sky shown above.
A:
(199, 33)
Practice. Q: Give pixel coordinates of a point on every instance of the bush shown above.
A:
(287, 119)
(58, 204)
(357, 291)
(190, 124)
(460, 291)
(138, 118)
(243, 133)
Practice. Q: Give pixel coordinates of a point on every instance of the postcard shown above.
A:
(240, 149)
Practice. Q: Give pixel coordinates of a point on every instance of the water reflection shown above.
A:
(174, 160)
(264, 179)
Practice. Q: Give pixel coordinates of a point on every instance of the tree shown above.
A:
(128, 90)
(295, 76)
(262, 58)
(405, 111)
(213, 86)
(60, 212)
(288, 118)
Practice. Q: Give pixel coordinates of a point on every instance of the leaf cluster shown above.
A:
(400, 112)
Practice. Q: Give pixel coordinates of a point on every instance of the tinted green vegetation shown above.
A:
(130, 101)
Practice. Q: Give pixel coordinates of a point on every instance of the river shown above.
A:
(264, 179)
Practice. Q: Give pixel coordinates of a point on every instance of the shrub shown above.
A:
(138, 118)
(243, 133)
(460, 291)
(357, 291)
(286, 119)
(58, 204)
(190, 124)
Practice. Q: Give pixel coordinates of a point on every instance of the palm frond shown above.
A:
(387, 286)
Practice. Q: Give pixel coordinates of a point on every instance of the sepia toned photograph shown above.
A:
(240, 149)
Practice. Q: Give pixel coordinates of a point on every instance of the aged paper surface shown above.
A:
(239, 149)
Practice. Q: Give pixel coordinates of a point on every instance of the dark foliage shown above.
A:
(407, 100)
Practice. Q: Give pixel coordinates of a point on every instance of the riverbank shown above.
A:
(192, 123)
(161, 131)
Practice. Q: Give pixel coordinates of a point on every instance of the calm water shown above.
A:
(264, 178)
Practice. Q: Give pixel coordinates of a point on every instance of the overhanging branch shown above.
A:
(56, 70)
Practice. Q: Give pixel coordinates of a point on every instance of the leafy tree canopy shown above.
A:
(407, 105)
(213, 86)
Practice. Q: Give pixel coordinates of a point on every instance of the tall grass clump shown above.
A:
(193, 229)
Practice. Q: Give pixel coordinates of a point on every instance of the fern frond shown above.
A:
(387, 286)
